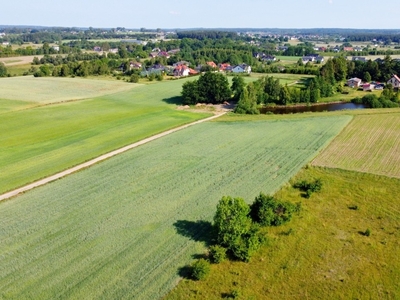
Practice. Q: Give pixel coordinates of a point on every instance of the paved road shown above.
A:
(98, 159)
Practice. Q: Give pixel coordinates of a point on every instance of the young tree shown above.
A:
(237, 87)
(3, 70)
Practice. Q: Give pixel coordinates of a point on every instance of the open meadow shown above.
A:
(369, 144)
(323, 253)
(123, 228)
(40, 137)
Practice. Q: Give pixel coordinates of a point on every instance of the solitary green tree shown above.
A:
(3, 70)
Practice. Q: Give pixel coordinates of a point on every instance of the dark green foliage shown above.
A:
(3, 70)
(234, 228)
(386, 100)
(238, 85)
(247, 103)
(309, 187)
(134, 78)
(268, 211)
(217, 254)
(200, 269)
(367, 232)
(209, 88)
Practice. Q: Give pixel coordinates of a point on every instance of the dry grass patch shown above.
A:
(370, 143)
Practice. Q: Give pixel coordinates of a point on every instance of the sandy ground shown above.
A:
(98, 159)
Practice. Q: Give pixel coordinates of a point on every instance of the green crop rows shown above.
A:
(43, 140)
(123, 228)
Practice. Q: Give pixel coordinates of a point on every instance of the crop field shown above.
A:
(123, 228)
(46, 90)
(40, 141)
(369, 144)
(322, 253)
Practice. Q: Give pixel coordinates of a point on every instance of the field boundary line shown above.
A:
(100, 158)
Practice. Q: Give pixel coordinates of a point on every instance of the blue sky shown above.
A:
(206, 13)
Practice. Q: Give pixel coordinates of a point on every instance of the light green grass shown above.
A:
(322, 253)
(108, 231)
(369, 144)
(55, 89)
(44, 140)
(18, 70)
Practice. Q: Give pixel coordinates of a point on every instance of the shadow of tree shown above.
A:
(199, 231)
(185, 272)
(177, 100)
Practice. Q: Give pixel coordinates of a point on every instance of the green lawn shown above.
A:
(123, 228)
(43, 140)
(322, 253)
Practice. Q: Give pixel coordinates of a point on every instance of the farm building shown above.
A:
(354, 82)
(394, 81)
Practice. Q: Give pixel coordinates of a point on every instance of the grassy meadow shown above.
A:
(370, 144)
(123, 228)
(323, 252)
(38, 140)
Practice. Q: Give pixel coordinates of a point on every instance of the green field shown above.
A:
(322, 253)
(123, 228)
(46, 139)
(46, 90)
(370, 144)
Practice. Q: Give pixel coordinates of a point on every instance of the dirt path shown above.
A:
(98, 159)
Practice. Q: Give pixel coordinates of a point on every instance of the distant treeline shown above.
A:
(206, 34)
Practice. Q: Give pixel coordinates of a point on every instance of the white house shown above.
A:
(243, 68)
(354, 82)
(394, 81)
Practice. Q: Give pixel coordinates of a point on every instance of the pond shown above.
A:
(311, 108)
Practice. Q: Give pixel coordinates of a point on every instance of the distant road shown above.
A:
(98, 159)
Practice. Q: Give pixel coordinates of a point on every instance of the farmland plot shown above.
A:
(41, 141)
(111, 231)
(369, 144)
(46, 90)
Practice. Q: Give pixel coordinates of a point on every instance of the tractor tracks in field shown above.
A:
(98, 159)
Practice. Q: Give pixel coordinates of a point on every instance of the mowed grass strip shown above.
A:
(322, 253)
(370, 144)
(111, 231)
(46, 90)
(41, 141)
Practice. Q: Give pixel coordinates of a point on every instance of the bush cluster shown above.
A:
(309, 187)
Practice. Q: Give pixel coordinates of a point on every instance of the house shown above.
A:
(379, 86)
(368, 87)
(180, 63)
(225, 67)
(56, 48)
(113, 50)
(394, 81)
(181, 70)
(153, 54)
(243, 68)
(97, 48)
(212, 64)
(359, 58)
(268, 58)
(156, 69)
(348, 49)
(163, 54)
(354, 82)
(358, 49)
(135, 65)
(336, 49)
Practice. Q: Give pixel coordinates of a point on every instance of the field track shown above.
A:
(98, 159)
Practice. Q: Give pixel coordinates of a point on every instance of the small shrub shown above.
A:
(134, 78)
(309, 187)
(268, 211)
(200, 269)
(354, 207)
(367, 232)
(217, 254)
